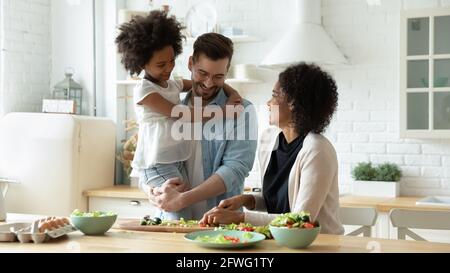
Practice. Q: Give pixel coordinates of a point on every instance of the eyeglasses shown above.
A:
(203, 76)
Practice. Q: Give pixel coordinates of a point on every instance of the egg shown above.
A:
(56, 223)
(43, 227)
(52, 224)
(66, 221)
(59, 222)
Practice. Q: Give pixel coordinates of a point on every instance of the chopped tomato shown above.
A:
(247, 229)
(308, 225)
(231, 238)
(289, 225)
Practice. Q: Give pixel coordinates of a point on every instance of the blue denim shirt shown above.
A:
(224, 153)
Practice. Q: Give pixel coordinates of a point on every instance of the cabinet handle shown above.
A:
(135, 203)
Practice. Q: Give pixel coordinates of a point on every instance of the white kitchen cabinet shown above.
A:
(425, 73)
(124, 207)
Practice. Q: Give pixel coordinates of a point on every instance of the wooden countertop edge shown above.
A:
(154, 242)
(116, 192)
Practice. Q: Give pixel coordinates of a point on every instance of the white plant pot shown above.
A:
(376, 188)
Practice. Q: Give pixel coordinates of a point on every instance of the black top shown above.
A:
(276, 178)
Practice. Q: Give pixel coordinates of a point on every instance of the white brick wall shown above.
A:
(379, 159)
(369, 36)
(25, 35)
(403, 149)
(369, 148)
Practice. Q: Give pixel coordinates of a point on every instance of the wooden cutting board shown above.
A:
(136, 225)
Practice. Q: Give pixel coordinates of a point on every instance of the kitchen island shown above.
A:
(117, 240)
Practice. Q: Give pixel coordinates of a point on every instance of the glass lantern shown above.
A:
(68, 89)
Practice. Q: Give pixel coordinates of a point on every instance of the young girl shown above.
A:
(151, 44)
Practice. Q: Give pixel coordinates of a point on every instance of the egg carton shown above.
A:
(22, 232)
(8, 231)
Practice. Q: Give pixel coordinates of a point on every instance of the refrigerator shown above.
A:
(53, 158)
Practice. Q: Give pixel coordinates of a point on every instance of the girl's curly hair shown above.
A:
(313, 95)
(142, 36)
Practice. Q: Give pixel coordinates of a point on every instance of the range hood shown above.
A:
(306, 41)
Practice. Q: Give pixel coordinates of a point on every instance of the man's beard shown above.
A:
(197, 86)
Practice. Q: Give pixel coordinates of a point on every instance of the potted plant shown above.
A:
(382, 180)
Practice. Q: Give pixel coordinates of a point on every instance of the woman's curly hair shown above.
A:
(313, 95)
(142, 36)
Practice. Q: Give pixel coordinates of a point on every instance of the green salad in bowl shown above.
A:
(294, 230)
(93, 223)
(294, 220)
(79, 213)
(248, 227)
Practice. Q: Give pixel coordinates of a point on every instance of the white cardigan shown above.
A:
(313, 182)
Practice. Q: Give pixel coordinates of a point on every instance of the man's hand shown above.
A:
(231, 111)
(177, 184)
(166, 198)
(234, 99)
(217, 216)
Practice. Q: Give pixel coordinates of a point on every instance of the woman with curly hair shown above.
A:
(151, 44)
(298, 164)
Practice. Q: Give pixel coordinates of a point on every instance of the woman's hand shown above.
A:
(218, 216)
(238, 201)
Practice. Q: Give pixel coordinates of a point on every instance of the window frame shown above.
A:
(430, 57)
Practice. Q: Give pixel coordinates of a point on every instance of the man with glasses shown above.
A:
(223, 157)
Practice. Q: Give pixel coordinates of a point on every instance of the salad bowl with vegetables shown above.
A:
(294, 230)
(93, 223)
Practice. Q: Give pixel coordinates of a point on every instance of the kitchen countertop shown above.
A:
(385, 204)
(382, 204)
(152, 242)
